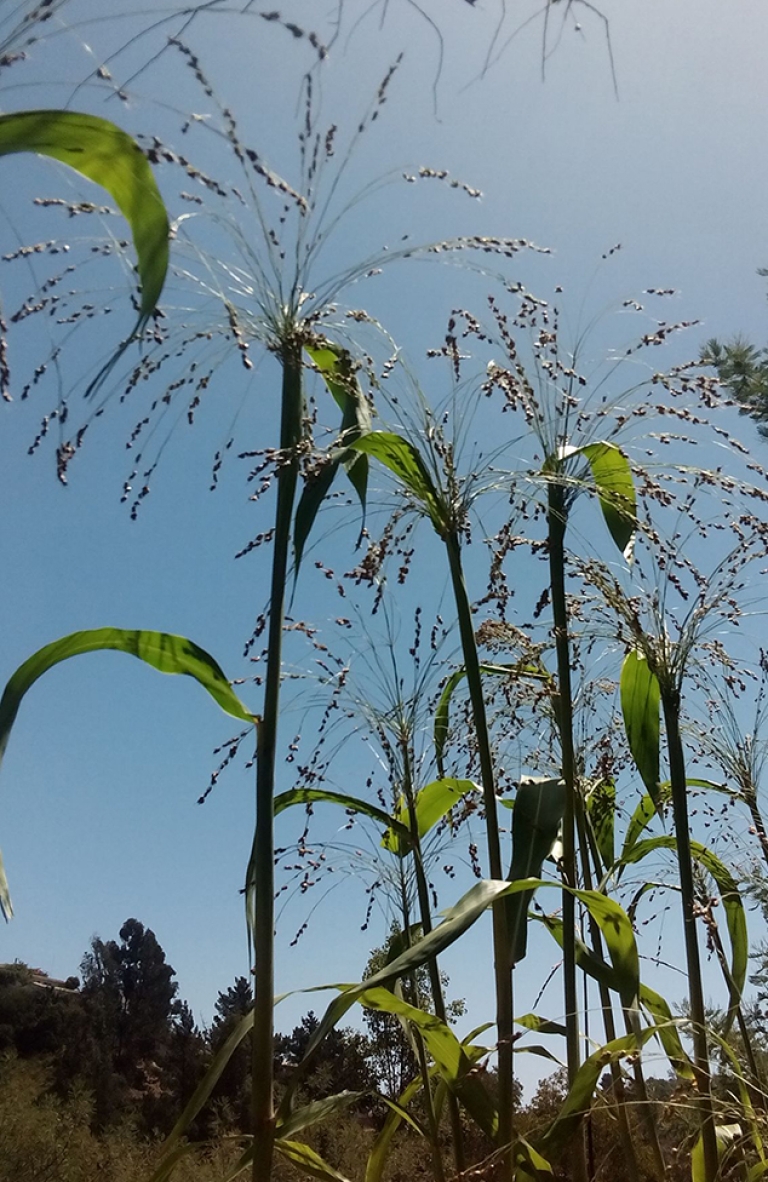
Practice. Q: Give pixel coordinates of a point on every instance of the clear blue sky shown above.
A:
(98, 820)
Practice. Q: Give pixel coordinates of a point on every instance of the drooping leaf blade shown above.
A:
(308, 1161)
(335, 367)
(730, 897)
(162, 650)
(102, 152)
(612, 475)
(640, 698)
(442, 710)
(324, 796)
(536, 820)
(449, 1055)
(432, 803)
(315, 1112)
(405, 461)
(314, 492)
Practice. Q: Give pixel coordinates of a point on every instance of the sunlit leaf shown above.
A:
(324, 796)
(578, 1101)
(432, 802)
(100, 151)
(615, 491)
(613, 923)
(450, 1057)
(314, 492)
(541, 1025)
(725, 1135)
(335, 367)
(654, 1004)
(161, 650)
(640, 699)
(730, 897)
(647, 808)
(405, 461)
(658, 1010)
(458, 919)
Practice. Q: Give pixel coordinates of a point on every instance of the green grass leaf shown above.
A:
(442, 710)
(536, 819)
(103, 153)
(405, 461)
(161, 650)
(315, 1112)
(335, 367)
(730, 897)
(451, 1059)
(433, 801)
(601, 810)
(615, 491)
(308, 1161)
(640, 699)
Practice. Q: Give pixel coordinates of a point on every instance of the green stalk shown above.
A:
(425, 916)
(670, 700)
(586, 847)
(502, 952)
(556, 525)
(421, 1053)
(262, 1083)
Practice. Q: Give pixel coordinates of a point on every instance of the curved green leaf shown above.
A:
(405, 461)
(324, 796)
(640, 699)
(613, 923)
(161, 650)
(314, 492)
(449, 1055)
(646, 810)
(657, 1009)
(398, 1113)
(103, 153)
(578, 1101)
(200, 1096)
(654, 1004)
(433, 801)
(536, 820)
(315, 1112)
(442, 710)
(335, 367)
(541, 1025)
(458, 919)
(615, 490)
(730, 897)
(308, 1161)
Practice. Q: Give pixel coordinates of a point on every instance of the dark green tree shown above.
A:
(344, 1061)
(232, 1093)
(743, 370)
